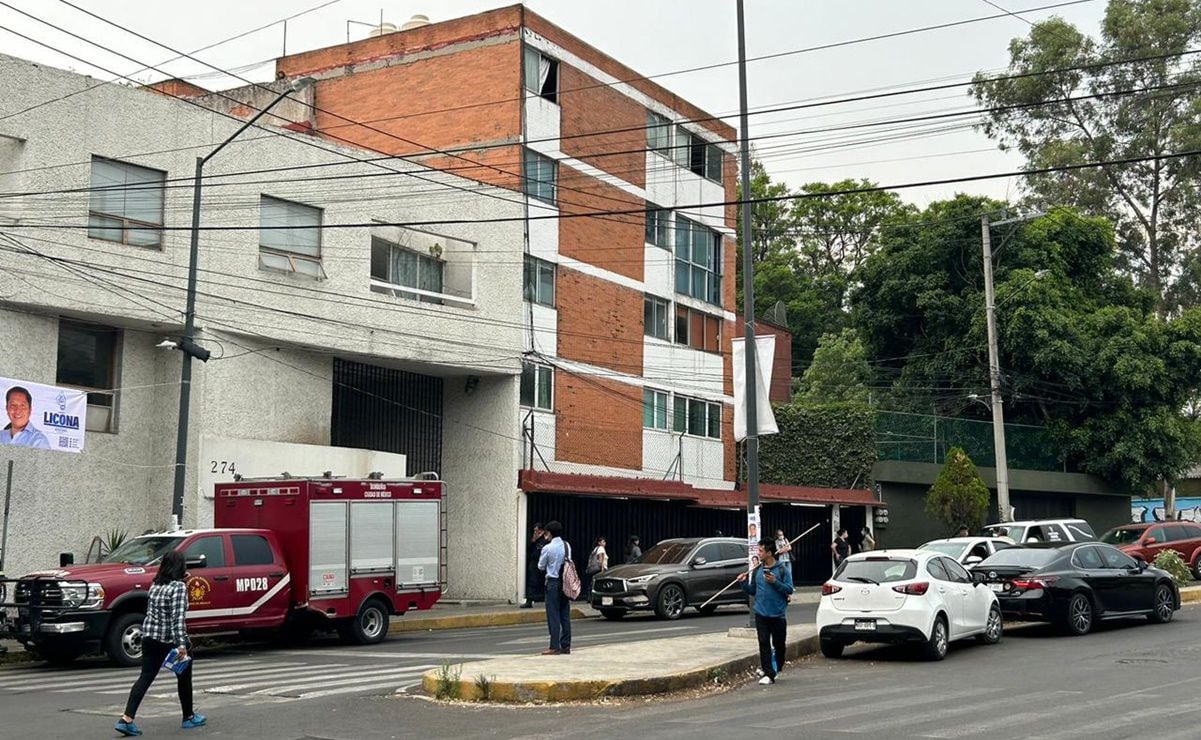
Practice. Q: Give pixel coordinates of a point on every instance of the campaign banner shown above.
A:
(44, 417)
(752, 537)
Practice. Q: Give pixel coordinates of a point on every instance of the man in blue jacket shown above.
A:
(771, 585)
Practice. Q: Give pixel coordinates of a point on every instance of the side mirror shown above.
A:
(977, 578)
(1150, 541)
(199, 562)
(698, 562)
(972, 560)
(1142, 564)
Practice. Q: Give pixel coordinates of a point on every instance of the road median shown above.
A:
(642, 668)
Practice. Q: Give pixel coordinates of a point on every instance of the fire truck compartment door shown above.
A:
(371, 537)
(328, 566)
(417, 532)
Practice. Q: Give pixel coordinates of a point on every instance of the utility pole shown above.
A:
(187, 343)
(748, 282)
(994, 377)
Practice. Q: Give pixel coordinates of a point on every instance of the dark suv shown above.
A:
(672, 576)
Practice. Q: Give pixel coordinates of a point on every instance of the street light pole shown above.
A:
(187, 343)
(994, 377)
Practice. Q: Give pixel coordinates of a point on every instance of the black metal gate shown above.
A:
(584, 518)
(379, 408)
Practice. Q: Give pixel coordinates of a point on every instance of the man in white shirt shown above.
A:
(558, 606)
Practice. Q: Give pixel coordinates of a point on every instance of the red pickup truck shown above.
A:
(287, 554)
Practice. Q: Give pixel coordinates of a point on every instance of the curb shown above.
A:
(460, 621)
(1190, 595)
(525, 692)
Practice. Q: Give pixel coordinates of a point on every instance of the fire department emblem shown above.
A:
(198, 591)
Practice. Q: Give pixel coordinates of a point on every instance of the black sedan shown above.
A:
(672, 576)
(1075, 585)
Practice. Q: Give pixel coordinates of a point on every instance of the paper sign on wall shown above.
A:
(44, 417)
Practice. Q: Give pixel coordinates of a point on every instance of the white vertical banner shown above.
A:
(752, 537)
(765, 354)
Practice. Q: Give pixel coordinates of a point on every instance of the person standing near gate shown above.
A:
(840, 548)
(783, 551)
(771, 585)
(163, 631)
(533, 577)
(558, 606)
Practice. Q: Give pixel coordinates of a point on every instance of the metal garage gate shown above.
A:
(585, 518)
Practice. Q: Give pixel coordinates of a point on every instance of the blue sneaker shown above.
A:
(128, 729)
(196, 720)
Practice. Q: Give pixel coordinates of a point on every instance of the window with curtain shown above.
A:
(126, 203)
(290, 237)
(655, 317)
(541, 75)
(403, 268)
(539, 281)
(698, 261)
(541, 174)
(658, 133)
(537, 386)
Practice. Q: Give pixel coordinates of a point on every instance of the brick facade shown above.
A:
(600, 323)
(597, 421)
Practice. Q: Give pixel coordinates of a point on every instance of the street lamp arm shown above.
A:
(294, 86)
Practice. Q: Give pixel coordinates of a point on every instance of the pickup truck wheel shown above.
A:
(369, 626)
(123, 643)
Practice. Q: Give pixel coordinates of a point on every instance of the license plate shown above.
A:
(998, 587)
(606, 601)
(865, 625)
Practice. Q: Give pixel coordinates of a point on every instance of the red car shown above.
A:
(1148, 540)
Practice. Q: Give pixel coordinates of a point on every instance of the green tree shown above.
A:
(839, 371)
(958, 497)
(1106, 108)
(837, 231)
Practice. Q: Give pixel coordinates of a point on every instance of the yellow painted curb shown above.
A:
(1190, 595)
(461, 621)
(590, 690)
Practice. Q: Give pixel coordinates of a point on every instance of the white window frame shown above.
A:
(535, 183)
(652, 304)
(657, 404)
(280, 258)
(543, 376)
(533, 271)
(102, 402)
(688, 235)
(659, 130)
(533, 73)
(147, 181)
(711, 155)
(658, 226)
(390, 284)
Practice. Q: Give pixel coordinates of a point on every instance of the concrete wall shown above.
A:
(273, 335)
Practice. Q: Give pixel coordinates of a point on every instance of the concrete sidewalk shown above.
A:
(636, 669)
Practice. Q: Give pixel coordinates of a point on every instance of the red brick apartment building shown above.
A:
(626, 398)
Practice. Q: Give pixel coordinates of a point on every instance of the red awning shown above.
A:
(541, 481)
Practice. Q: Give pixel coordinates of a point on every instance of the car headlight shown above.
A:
(82, 595)
(642, 580)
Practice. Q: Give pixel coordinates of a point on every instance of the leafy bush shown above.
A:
(958, 497)
(1170, 561)
(831, 445)
(448, 681)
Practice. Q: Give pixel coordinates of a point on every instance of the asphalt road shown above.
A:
(1128, 679)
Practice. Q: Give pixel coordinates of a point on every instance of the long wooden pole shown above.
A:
(728, 586)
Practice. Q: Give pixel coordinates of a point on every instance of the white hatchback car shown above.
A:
(905, 596)
(968, 550)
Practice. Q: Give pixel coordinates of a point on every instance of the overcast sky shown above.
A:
(653, 37)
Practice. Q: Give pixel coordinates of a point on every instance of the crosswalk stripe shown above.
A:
(41, 673)
(112, 679)
(1111, 723)
(895, 722)
(1059, 711)
(297, 668)
(322, 678)
(800, 705)
(356, 689)
(841, 713)
(394, 678)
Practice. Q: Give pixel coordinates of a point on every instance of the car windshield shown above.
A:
(1121, 536)
(946, 548)
(1013, 532)
(667, 552)
(1020, 556)
(142, 550)
(876, 570)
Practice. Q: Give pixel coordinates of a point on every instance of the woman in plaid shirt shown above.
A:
(163, 631)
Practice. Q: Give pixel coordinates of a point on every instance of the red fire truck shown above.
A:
(286, 554)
